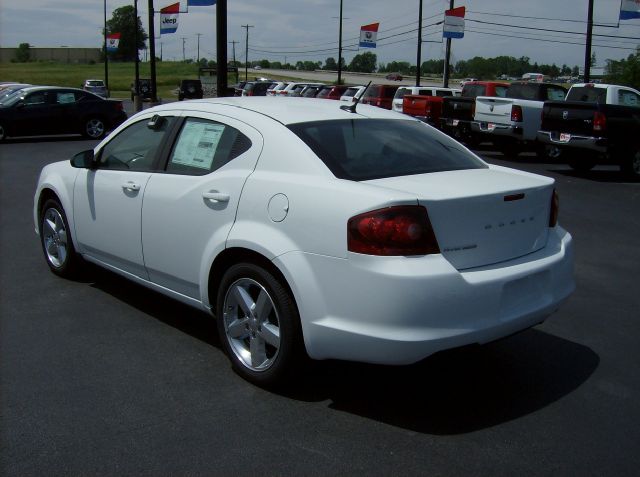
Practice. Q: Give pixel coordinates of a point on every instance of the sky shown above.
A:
(299, 30)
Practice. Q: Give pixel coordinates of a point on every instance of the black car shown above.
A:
(237, 89)
(190, 89)
(47, 110)
(144, 89)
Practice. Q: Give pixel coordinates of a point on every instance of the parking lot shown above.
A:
(102, 377)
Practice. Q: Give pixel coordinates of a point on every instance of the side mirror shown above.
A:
(83, 160)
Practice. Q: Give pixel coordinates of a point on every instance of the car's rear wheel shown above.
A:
(580, 161)
(94, 128)
(259, 325)
(631, 165)
(57, 246)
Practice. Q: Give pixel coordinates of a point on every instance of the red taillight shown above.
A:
(250, 93)
(401, 230)
(555, 204)
(516, 113)
(599, 121)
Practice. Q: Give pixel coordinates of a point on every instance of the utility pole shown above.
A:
(152, 52)
(340, 47)
(106, 56)
(419, 59)
(587, 52)
(198, 35)
(445, 75)
(246, 53)
(233, 42)
(183, 40)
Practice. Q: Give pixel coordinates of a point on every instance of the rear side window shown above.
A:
(351, 92)
(556, 94)
(443, 93)
(204, 146)
(524, 91)
(402, 92)
(473, 90)
(628, 98)
(372, 92)
(587, 94)
(365, 149)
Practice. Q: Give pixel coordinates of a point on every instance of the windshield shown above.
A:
(365, 149)
(12, 98)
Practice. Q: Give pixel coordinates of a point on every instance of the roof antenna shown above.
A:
(352, 107)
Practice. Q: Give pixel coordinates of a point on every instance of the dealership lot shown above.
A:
(100, 376)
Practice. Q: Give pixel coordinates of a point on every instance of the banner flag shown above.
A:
(629, 9)
(200, 3)
(169, 18)
(369, 35)
(453, 23)
(113, 39)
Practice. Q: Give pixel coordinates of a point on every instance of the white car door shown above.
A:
(107, 200)
(189, 209)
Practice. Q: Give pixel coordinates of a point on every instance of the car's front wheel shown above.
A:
(259, 325)
(94, 128)
(57, 246)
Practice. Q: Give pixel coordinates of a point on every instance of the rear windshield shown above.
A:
(365, 149)
(351, 92)
(536, 92)
(324, 92)
(95, 83)
(444, 93)
(473, 90)
(372, 92)
(587, 94)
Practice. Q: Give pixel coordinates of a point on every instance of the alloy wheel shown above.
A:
(251, 324)
(95, 128)
(55, 237)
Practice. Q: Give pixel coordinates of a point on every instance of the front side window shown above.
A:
(135, 147)
(36, 99)
(204, 146)
(365, 149)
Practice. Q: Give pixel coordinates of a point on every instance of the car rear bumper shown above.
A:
(399, 310)
(496, 129)
(597, 144)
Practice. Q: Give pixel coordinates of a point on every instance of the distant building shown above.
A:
(61, 55)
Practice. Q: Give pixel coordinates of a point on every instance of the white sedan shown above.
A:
(311, 230)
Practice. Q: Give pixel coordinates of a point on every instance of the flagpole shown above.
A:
(152, 52)
(445, 74)
(587, 52)
(419, 60)
(221, 48)
(340, 48)
(137, 104)
(106, 56)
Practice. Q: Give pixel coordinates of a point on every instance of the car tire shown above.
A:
(94, 128)
(580, 162)
(56, 242)
(631, 165)
(259, 325)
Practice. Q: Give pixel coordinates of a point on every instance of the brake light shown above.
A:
(516, 113)
(400, 230)
(599, 121)
(555, 204)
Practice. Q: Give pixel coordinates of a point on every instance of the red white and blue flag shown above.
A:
(113, 39)
(169, 18)
(200, 3)
(453, 23)
(629, 9)
(369, 35)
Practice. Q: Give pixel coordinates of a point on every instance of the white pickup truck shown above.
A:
(512, 122)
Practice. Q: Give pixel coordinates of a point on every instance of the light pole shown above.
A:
(445, 75)
(152, 52)
(419, 60)
(198, 35)
(340, 47)
(587, 52)
(137, 103)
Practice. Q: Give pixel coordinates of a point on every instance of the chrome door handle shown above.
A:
(216, 196)
(131, 186)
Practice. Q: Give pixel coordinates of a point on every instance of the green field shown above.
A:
(121, 75)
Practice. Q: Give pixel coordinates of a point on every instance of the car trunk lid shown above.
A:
(573, 117)
(481, 216)
(493, 110)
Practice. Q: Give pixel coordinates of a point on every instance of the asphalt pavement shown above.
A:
(99, 376)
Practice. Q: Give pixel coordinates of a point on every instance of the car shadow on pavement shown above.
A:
(452, 392)
(456, 391)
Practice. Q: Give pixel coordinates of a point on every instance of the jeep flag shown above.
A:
(169, 18)
(368, 35)
(200, 3)
(112, 42)
(629, 9)
(453, 23)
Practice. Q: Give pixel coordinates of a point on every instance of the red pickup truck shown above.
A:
(457, 112)
(425, 108)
